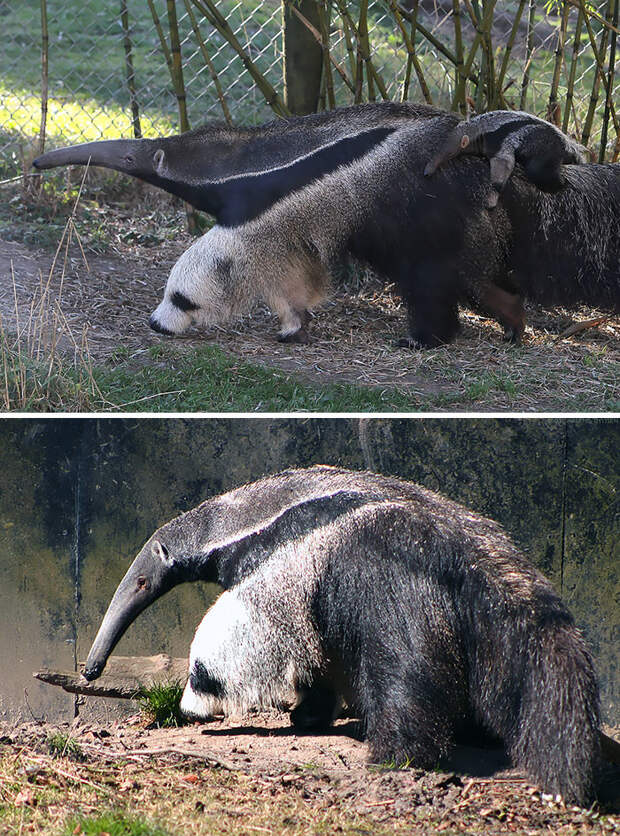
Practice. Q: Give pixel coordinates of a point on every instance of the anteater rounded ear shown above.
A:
(160, 551)
(158, 159)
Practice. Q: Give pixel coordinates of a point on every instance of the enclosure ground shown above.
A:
(352, 363)
(257, 776)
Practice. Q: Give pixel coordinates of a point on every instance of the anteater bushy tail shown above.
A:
(557, 739)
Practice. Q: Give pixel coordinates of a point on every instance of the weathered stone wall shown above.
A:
(79, 497)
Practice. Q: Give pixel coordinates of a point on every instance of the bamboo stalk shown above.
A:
(470, 59)
(412, 58)
(319, 39)
(460, 80)
(349, 44)
(162, 38)
(473, 10)
(509, 46)
(593, 13)
(573, 71)
(207, 59)
(407, 79)
(439, 46)
(215, 18)
(599, 74)
(610, 80)
(364, 44)
(129, 71)
(364, 50)
(176, 71)
(44, 75)
(327, 66)
(553, 106)
(489, 58)
(177, 64)
(529, 52)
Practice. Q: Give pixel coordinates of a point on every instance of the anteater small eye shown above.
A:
(143, 583)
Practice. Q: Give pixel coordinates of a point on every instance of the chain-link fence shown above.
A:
(107, 68)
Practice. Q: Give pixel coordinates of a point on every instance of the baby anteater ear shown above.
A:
(158, 160)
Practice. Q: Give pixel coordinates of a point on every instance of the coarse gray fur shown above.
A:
(292, 197)
(418, 612)
(282, 258)
(507, 136)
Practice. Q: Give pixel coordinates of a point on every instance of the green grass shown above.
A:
(112, 824)
(64, 746)
(208, 380)
(160, 702)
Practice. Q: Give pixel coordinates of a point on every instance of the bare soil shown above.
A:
(353, 334)
(258, 775)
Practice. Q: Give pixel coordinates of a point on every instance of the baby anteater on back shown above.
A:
(507, 137)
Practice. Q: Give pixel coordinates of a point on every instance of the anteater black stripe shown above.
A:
(243, 198)
(239, 559)
(179, 300)
(494, 139)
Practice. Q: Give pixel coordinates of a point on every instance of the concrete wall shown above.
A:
(78, 497)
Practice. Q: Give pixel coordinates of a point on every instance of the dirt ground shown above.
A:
(325, 778)
(353, 333)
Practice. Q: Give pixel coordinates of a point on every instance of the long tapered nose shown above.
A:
(119, 154)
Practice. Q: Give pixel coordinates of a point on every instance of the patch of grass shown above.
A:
(113, 823)
(208, 380)
(35, 376)
(64, 746)
(160, 702)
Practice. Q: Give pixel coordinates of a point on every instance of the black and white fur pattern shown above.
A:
(293, 196)
(433, 237)
(506, 137)
(420, 614)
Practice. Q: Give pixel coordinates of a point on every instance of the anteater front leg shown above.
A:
(429, 289)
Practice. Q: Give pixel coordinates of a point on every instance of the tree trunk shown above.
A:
(303, 58)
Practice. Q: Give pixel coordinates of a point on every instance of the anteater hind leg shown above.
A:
(408, 716)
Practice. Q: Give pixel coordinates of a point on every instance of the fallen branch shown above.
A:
(123, 678)
(577, 327)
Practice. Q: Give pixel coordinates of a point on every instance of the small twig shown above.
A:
(148, 398)
(70, 775)
(380, 803)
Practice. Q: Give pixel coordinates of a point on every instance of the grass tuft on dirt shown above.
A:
(113, 823)
(161, 704)
(62, 745)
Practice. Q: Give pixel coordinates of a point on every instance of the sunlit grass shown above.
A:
(73, 120)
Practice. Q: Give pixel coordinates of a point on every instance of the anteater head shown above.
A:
(179, 551)
(182, 165)
(143, 158)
